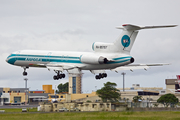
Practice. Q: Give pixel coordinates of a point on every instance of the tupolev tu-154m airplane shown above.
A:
(105, 56)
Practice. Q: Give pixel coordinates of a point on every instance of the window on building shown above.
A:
(74, 84)
(132, 88)
(6, 99)
(55, 105)
(93, 105)
(86, 95)
(3, 91)
(163, 91)
(54, 96)
(101, 105)
(176, 86)
(31, 91)
(107, 105)
(61, 96)
(9, 91)
(17, 99)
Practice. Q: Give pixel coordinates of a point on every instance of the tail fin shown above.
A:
(126, 40)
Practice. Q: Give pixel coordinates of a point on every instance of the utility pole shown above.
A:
(25, 82)
(123, 79)
(55, 92)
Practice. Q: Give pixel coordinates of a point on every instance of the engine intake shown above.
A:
(132, 60)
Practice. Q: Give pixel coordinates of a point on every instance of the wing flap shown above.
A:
(137, 66)
(60, 66)
(97, 71)
(55, 68)
(131, 68)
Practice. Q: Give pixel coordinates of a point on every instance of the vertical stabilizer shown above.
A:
(126, 40)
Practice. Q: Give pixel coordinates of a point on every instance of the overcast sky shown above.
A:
(69, 25)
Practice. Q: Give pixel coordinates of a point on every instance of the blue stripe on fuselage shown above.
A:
(122, 58)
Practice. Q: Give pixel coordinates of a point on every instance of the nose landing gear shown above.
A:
(101, 75)
(25, 73)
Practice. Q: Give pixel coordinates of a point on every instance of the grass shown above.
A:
(163, 115)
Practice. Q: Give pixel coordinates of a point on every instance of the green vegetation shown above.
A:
(109, 92)
(88, 101)
(137, 99)
(165, 115)
(62, 88)
(156, 105)
(168, 99)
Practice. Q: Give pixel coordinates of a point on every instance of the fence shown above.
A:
(151, 105)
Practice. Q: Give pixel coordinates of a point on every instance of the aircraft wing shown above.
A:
(60, 66)
(137, 66)
(97, 71)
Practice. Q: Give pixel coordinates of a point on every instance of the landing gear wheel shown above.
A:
(24, 73)
(55, 77)
(104, 75)
(100, 75)
(97, 77)
(63, 75)
(59, 75)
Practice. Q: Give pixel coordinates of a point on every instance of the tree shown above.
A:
(155, 104)
(109, 92)
(137, 99)
(63, 88)
(168, 99)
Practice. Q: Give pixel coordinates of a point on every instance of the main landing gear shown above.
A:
(25, 73)
(101, 75)
(58, 76)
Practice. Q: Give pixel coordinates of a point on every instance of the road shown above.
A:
(17, 106)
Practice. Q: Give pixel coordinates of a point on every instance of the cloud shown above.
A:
(75, 25)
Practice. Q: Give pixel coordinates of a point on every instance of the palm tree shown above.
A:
(137, 99)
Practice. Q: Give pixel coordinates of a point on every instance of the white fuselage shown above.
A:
(37, 58)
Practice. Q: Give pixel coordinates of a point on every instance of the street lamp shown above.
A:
(25, 82)
(123, 79)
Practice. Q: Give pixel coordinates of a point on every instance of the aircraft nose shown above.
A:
(6, 60)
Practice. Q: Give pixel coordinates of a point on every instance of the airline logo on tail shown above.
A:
(125, 41)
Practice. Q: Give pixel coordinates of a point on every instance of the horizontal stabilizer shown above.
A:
(134, 27)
